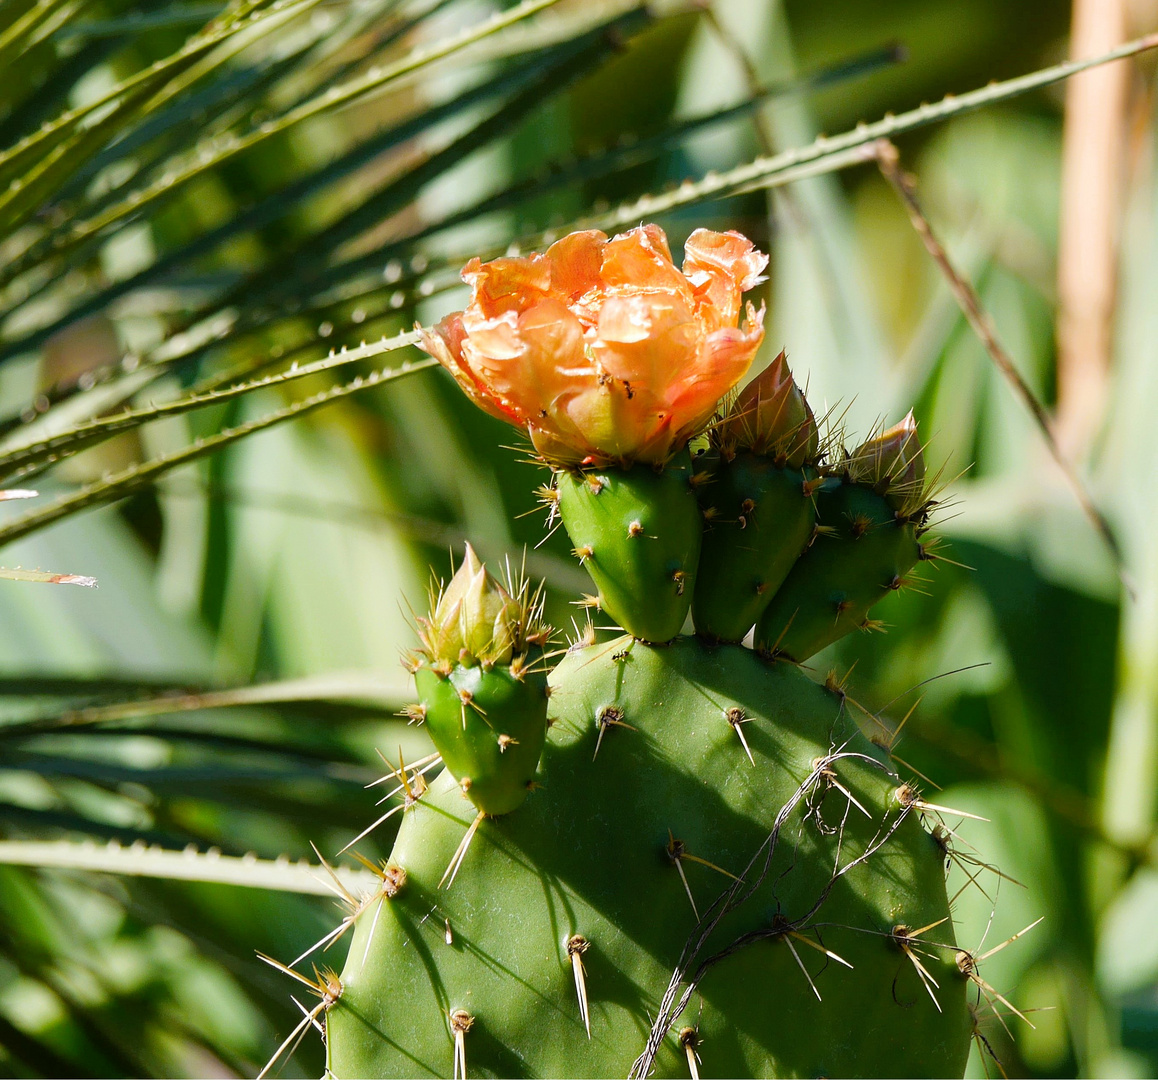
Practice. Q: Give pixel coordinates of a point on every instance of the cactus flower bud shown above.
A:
(893, 463)
(771, 419)
(602, 350)
(476, 620)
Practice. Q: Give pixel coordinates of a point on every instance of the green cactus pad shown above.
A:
(865, 550)
(643, 773)
(489, 727)
(638, 533)
(760, 517)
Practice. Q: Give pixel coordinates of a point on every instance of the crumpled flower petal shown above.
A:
(722, 266)
(727, 355)
(603, 350)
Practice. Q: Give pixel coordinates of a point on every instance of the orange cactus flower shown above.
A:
(602, 350)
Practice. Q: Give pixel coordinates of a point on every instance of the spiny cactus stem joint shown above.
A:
(415, 713)
(967, 964)
(414, 787)
(827, 774)
(906, 940)
(909, 796)
(675, 854)
(325, 985)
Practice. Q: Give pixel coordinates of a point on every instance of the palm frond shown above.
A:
(142, 860)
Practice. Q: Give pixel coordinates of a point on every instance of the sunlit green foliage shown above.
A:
(198, 196)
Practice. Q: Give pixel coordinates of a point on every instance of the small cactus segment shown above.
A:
(758, 519)
(638, 532)
(867, 541)
(571, 914)
(757, 502)
(480, 694)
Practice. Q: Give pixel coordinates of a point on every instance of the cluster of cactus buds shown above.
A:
(581, 936)
(763, 528)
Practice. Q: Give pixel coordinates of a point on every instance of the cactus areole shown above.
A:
(672, 855)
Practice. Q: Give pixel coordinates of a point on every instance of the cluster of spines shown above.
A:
(523, 632)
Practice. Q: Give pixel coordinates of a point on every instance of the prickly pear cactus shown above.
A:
(769, 891)
(674, 855)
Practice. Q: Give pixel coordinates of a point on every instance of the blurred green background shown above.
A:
(213, 228)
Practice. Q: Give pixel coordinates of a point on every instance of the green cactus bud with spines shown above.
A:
(481, 683)
(770, 418)
(870, 516)
(638, 533)
(568, 918)
(477, 620)
(761, 518)
(758, 504)
(862, 550)
(893, 465)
